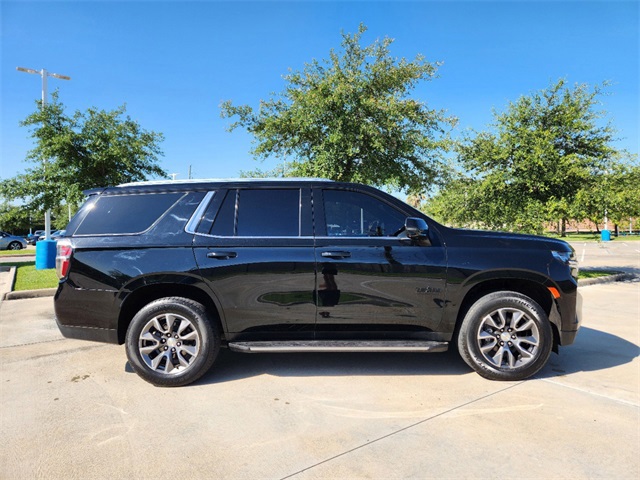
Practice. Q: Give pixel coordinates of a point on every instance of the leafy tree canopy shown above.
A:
(351, 118)
(89, 149)
(529, 167)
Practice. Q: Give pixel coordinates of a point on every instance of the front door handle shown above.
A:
(336, 254)
(222, 255)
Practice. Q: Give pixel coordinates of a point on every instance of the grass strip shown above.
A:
(583, 274)
(28, 278)
(17, 253)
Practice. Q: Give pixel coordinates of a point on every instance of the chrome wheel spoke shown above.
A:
(149, 349)
(191, 350)
(155, 363)
(193, 335)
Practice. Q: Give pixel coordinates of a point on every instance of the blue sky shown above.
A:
(172, 63)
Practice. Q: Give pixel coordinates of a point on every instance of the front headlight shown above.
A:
(569, 259)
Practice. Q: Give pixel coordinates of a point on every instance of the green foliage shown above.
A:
(14, 219)
(28, 278)
(529, 168)
(89, 149)
(350, 118)
(614, 190)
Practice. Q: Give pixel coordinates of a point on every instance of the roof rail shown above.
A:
(223, 180)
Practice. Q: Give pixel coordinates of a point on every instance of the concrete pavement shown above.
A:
(72, 409)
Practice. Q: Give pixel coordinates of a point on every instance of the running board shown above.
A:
(339, 346)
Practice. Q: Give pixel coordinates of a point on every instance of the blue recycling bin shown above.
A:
(605, 235)
(45, 254)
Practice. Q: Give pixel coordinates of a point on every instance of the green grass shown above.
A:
(596, 273)
(28, 278)
(13, 253)
(595, 237)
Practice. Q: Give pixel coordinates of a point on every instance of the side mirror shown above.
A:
(416, 228)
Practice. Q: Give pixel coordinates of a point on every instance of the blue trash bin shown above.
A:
(605, 235)
(45, 254)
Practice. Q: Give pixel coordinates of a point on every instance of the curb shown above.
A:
(23, 294)
(620, 277)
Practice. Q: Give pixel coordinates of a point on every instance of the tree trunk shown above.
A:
(615, 229)
(564, 228)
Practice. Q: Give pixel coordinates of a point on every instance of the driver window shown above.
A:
(353, 214)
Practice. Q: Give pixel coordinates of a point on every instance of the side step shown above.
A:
(339, 346)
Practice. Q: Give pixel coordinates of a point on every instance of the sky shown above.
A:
(173, 62)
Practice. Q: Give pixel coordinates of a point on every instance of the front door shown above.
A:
(372, 281)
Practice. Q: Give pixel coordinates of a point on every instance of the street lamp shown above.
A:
(44, 74)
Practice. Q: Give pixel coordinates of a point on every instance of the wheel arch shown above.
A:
(143, 295)
(531, 288)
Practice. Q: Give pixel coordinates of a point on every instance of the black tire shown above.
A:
(505, 336)
(14, 246)
(172, 342)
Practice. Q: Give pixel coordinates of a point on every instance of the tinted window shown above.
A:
(353, 214)
(269, 213)
(126, 213)
(225, 219)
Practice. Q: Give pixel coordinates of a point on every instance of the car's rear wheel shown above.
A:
(15, 246)
(505, 336)
(172, 342)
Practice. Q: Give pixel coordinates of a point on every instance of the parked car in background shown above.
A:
(11, 242)
(54, 235)
(34, 237)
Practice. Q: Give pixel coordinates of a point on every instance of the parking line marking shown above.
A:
(408, 427)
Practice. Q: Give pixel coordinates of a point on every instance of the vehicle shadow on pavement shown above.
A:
(231, 366)
(593, 350)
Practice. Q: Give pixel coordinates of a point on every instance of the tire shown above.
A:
(505, 336)
(172, 342)
(14, 246)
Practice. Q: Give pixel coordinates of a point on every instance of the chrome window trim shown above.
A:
(253, 237)
(193, 222)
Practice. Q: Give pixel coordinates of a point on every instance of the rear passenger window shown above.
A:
(260, 213)
(113, 214)
(269, 213)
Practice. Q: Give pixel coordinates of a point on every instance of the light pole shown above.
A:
(44, 74)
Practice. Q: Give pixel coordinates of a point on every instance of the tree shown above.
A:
(96, 148)
(614, 192)
(15, 219)
(529, 167)
(350, 118)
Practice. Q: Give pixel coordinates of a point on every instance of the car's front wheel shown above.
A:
(15, 246)
(172, 342)
(505, 336)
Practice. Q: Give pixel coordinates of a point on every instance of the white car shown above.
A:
(11, 242)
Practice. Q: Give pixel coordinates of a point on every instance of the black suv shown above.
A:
(177, 270)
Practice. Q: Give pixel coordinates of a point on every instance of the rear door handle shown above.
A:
(222, 255)
(336, 254)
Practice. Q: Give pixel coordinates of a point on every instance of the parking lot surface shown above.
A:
(73, 409)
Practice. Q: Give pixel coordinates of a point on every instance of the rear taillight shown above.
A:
(63, 258)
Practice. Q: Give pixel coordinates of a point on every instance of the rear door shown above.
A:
(373, 282)
(257, 258)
